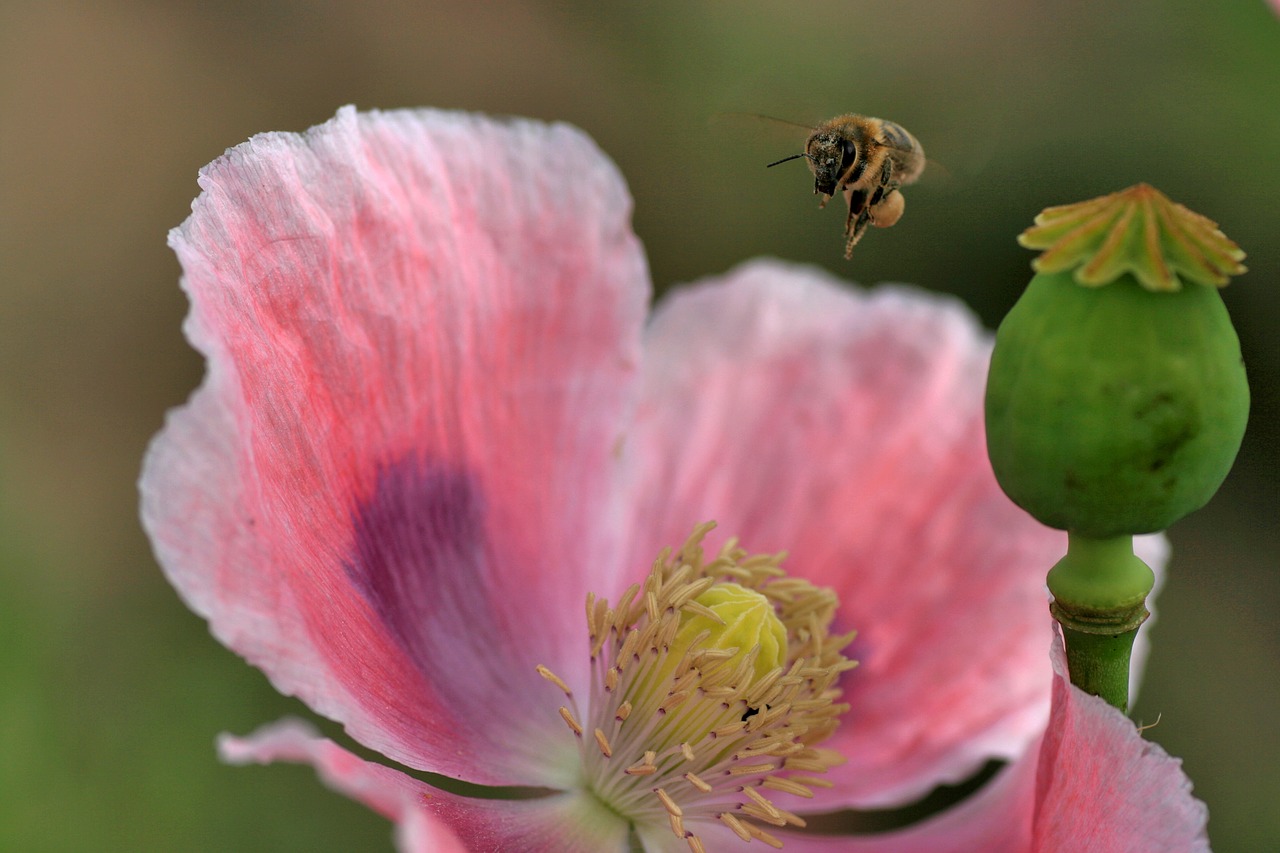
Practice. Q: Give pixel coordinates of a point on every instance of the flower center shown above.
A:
(712, 682)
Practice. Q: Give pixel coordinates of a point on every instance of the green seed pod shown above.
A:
(1116, 410)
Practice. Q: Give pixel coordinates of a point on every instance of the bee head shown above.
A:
(830, 156)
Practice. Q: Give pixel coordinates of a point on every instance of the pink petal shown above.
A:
(1094, 786)
(997, 819)
(846, 427)
(392, 491)
(427, 819)
(1102, 788)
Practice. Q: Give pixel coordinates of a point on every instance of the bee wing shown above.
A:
(933, 172)
(758, 119)
(771, 137)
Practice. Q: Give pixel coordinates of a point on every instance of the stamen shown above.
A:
(761, 813)
(749, 769)
(729, 730)
(702, 610)
(645, 766)
(628, 650)
(573, 724)
(787, 786)
(813, 781)
(712, 680)
(760, 835)
(763, 802)
(668, 803)
(554, 679)
(603, 742)
(672, 701)
(697, 782)
(738, 827)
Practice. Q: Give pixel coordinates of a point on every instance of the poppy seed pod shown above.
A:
(1116, 410)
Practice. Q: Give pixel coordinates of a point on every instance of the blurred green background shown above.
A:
(111, 692)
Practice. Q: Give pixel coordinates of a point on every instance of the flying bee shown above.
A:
(869, 159)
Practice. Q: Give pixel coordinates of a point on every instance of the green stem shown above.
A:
(1099, 597)
(1099, 663)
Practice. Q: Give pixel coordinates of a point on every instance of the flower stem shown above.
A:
(1099, 598)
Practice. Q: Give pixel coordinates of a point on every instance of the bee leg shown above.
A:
(886, 176)
(854, 231)
(855, 224)
(857, 208)
(887, 210)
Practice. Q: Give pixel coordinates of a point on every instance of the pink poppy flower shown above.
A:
(435, 420)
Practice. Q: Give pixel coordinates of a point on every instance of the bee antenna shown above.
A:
(785, 159)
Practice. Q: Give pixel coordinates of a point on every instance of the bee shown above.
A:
(869, 159)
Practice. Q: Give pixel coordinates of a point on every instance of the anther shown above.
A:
(628, 649)
(752, 810)
(669, 804)
(731, 729)
(738, 827)
(672, 702)
(751, 769)
(645, 766)
(813, 781)
(696, 781)
(760, 835)
(730, 665)
(554, 679)
(763, 802)
(567, 716)
(786, 786)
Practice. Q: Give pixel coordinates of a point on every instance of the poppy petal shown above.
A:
(392, 491)
(429, 820)
(845, 426)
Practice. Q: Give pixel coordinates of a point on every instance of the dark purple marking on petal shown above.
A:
(419, 545)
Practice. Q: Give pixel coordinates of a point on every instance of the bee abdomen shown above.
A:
(897, 136)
